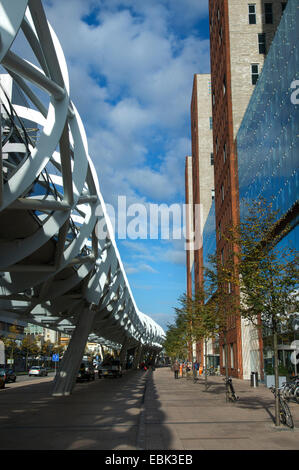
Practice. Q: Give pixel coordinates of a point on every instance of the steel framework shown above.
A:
(54, 269)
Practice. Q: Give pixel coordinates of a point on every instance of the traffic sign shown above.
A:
(55, 357)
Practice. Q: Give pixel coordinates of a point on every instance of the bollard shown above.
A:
(254, 379)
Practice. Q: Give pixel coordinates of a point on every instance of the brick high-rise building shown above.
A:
(199, 183)
(202, 163)
(240, 36)
(189, 224)
(189, 235)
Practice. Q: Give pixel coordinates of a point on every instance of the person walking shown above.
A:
(195, 369)
(176, 369)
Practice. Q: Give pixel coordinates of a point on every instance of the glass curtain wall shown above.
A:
(268, 150)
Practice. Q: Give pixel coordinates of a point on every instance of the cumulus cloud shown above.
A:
(142, 267)
(131, 67)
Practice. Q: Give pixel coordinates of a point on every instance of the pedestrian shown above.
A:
(195, 369)
(176, 369)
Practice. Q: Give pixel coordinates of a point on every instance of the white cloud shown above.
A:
(131, 74)
(142, 267)
(131, 65)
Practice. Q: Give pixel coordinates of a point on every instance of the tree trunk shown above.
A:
(206, 372)
(226, 355)
(275, 348)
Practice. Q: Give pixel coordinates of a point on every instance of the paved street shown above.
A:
(181, 415)
(142, 410)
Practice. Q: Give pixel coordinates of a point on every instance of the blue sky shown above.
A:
(131, 65)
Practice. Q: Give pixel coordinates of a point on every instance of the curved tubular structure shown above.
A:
(55, 269)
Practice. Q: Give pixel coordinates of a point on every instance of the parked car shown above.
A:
(10, 375)
(36, 370)
(2, 378)
(86, 372)
(110, 368)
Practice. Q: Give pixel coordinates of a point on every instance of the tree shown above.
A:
(11, 341)
(179, 334)
(46, 351)
(218, 276)
(267, 274)
(205, 322)
(30, 347)
(58, 348)
(198, 318)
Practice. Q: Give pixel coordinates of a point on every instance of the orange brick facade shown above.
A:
(225, 161)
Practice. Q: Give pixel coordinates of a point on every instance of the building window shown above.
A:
(213, 194)
(283, 5)
(219, 231)
(222, 256)
(212, 158)
(220, 35)
(268, 13)
(262, 43)
(252, 13)
(254, 73)
(224, 153)
(223, 356)
(222, 192)
(213, 99)
(232, 356)
(224, 84)
(211, 123)
(229, 287)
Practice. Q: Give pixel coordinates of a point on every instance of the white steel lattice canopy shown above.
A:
(52, 264)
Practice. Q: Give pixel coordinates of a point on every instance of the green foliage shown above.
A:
(196, 318)
(267, 275)
(29, 345)
(269, 370)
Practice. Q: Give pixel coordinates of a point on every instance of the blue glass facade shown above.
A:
(267, 141)
(209, 237)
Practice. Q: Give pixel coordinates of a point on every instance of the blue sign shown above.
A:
(55, 357)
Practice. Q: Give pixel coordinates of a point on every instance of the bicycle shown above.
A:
(296, 392)
(291, 389)
(284, 410)
(230, 391)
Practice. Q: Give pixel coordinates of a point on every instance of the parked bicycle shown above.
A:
(230, 391)
(284, 410)
(208, 371)
(290, 390)
(213, 371)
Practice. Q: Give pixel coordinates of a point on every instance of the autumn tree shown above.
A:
(179, 334)
(267, 273)
(29, 347)
(219, 275)
(11, 342)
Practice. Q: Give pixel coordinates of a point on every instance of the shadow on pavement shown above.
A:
(104, 414)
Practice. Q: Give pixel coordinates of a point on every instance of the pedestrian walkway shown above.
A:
(142, 411)
(182, 415)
